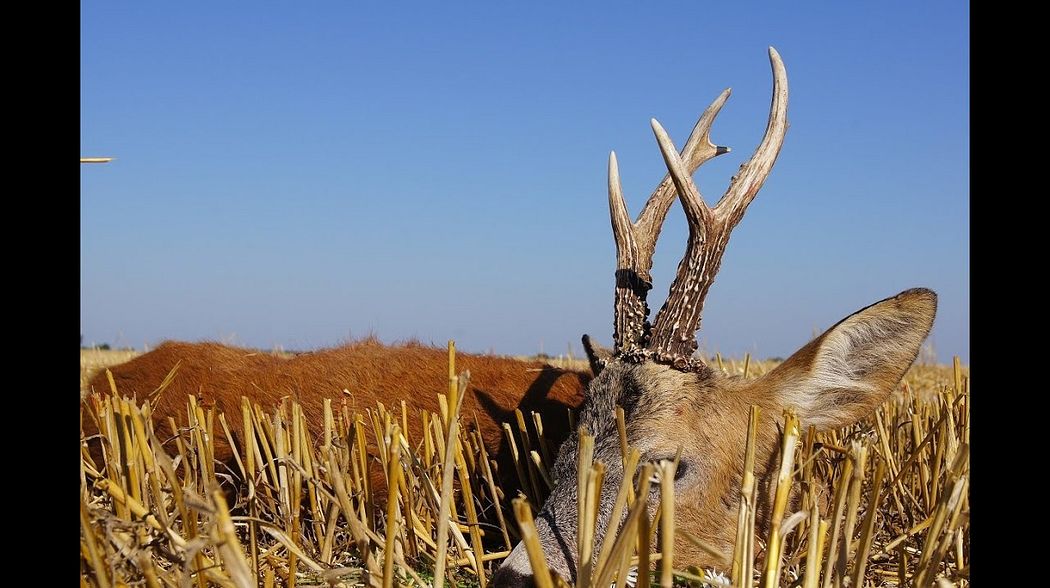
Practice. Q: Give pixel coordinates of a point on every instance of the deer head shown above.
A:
(673, 401)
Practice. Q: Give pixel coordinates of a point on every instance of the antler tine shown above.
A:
(748, 181)
(696, 210)
(636, 242)
(632, 286)
(673, 337)
(623, 230)
(697, 151)
(672, 341)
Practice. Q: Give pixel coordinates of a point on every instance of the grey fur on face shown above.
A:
(620, 384)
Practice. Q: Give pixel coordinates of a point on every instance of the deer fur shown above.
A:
(370, 371)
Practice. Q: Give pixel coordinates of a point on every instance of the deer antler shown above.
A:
(635, 242)
(673, 337)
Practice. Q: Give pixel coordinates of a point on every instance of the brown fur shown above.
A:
(372, 372)
(715, 414)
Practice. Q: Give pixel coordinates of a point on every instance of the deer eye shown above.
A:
(680, 472)
(683, 467)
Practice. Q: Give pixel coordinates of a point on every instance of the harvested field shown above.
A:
(298, 510)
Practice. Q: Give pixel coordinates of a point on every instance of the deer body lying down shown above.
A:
(369, 372)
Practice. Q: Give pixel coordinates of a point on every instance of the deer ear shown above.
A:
(843, 375)
(596, 354)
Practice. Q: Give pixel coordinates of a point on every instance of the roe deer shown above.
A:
(219, 374)
(673, 401)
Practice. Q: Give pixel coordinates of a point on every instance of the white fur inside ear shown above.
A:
(850, 352)
(846, 373)
(840, 380)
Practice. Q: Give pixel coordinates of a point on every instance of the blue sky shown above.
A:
(298, 174)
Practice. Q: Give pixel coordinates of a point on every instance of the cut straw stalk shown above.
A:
(446, 481)
(408, 483)
(635, 530)
(540, 572)
(393, 474)
(490, 480)
(868, 530)
(92, 547)
(526, 448)
(939, 537)
(472, 517)
(859, 455)
(841, 491)
(774, 546)
(357, 528)
(149, 569)
(626, 487)
(229, 547)
(743, 551)
(295, 443)
(817, 531)
(584, 523)
(642, 540)
(541, 440)
(667, 471)
(453, 383)
(537, 461)
(519, 467)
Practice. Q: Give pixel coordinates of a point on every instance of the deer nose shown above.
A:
(557, 553)
(508, 578)
(515, 570)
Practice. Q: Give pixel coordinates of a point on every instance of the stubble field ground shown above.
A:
(899, 516)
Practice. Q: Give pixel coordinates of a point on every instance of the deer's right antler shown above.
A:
(635, 242)
(672, 337)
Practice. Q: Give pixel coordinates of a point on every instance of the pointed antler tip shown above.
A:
(776, 61)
